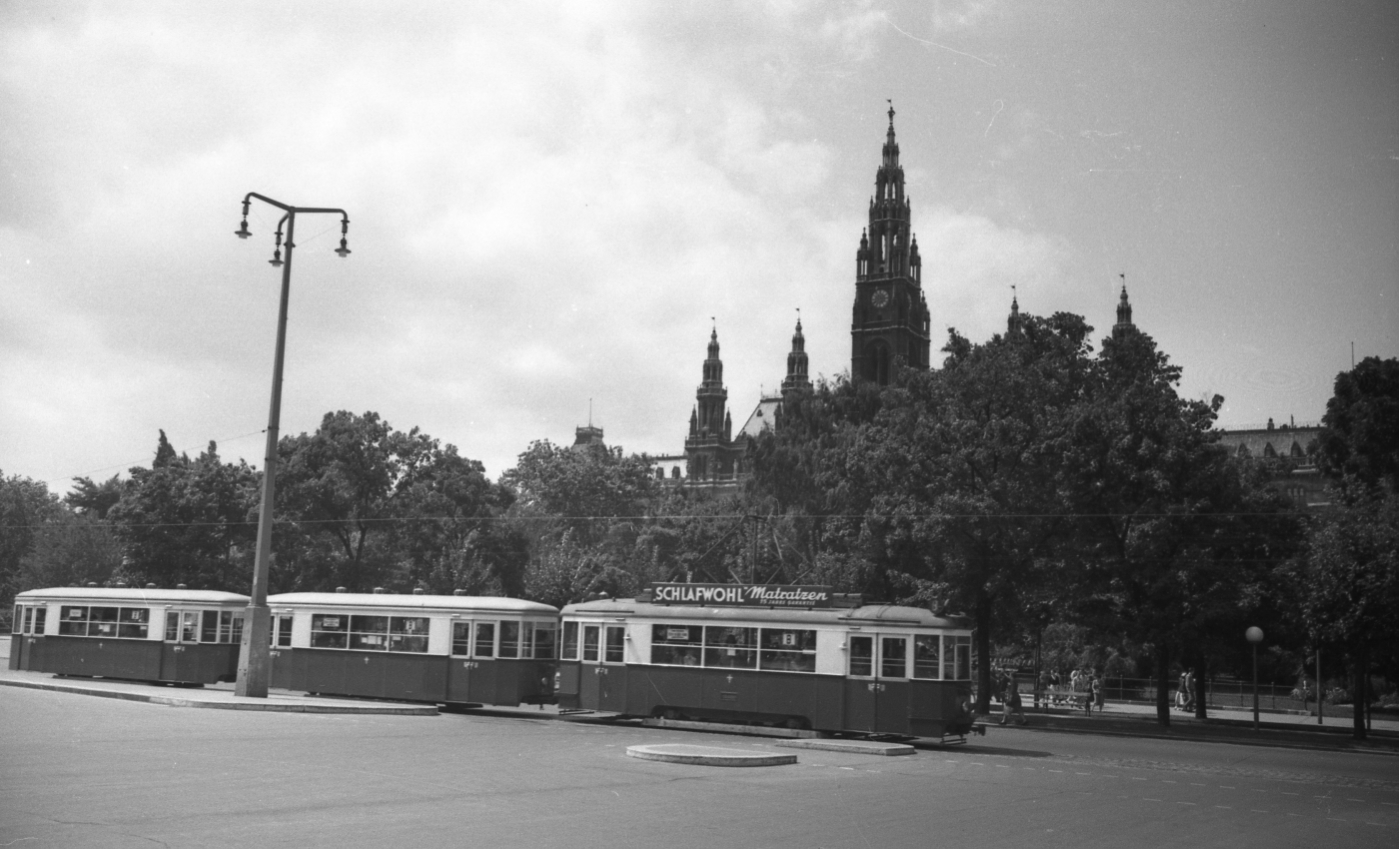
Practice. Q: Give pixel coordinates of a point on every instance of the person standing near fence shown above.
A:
(1011, 704)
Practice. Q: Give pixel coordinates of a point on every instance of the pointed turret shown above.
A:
(1013, 323)
(890, 318)
(796, 364)
(1124, 314)
(711, 396)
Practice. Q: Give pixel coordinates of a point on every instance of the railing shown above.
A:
(1226, 693)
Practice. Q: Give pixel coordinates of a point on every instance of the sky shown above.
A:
(552, 205)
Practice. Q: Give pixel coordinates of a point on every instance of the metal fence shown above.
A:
(1219, 693)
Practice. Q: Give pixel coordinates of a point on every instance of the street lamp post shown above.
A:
(253, 666)
(1255, 636)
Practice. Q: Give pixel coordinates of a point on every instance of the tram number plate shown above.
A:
(726, 696)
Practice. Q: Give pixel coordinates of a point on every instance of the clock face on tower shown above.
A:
(880, 298)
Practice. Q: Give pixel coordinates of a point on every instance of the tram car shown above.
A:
(446, 649)
(179, 636)
(786, 656)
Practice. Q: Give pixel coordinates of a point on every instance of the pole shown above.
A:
(254, 665)
(1255, 686)
(1319, 695)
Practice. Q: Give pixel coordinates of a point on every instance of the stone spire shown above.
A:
(1013, 323)
(889, 319)
(796, 364)
(1124, 314)
(711, 396)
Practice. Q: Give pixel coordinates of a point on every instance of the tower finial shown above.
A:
(891, 112)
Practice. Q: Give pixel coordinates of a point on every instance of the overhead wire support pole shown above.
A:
(254, 651)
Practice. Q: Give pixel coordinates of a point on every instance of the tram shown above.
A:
(177, 636)
(447, 649)
(791, 656)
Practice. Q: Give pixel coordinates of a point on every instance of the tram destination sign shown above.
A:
(743, 595)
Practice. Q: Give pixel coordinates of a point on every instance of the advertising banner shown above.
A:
(743, 595)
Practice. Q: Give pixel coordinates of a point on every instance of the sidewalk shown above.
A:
(217, 696)
(1223, 725)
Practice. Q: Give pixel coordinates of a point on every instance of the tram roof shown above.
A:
(139, 595)
(401, 601)
(873, 614)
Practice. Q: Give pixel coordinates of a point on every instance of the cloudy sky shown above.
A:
(550, 201)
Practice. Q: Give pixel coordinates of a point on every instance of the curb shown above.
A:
(684, 753)
(856, 747)
(273, 707)
(1294, 739)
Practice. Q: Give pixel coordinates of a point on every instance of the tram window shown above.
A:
(927, 654)
(590, 642)
(369, 633)
(730, 648)
(676, 645)
(238, 628)
(209, 633)
(616, 644)
(788, 650)
(73, 621)
(21, 619)
(510, 639)
(862, 657)
(40, 614)
(893, 657)
(461, 638)
(964, 658)
(281, 631)
(189, 626)
(172, 626)
(568, 650)
(485, 639)
(135, 623)
(544, 636)
(408, 633)
(329, 631)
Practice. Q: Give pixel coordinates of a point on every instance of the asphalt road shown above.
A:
(81, 771)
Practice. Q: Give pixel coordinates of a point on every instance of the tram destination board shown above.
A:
(744, 595)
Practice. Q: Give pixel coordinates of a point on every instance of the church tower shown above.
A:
(709, 448)
(796, 378)
(1124, 314)
(890, 315)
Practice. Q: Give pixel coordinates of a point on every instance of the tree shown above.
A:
(26, 507)
(95, 499)
(71, 549)
(967, 463)
(1149, 485)
(361, 504)
(1360, 437)
(585, 487)
(186, 521)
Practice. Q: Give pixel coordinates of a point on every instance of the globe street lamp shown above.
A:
(1255, 636)
(253, 652)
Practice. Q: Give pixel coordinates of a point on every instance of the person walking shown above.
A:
(1011, 704)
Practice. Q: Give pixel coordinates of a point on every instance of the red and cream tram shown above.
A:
(448, 649)
(178, 636)
(779, 655)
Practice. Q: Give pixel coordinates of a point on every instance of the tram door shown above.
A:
(179, 660)
(603, 684)
(876, 689)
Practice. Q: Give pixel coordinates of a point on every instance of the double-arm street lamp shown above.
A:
(254, 668)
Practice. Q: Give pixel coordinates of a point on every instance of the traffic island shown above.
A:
(684, 753)
(857, 747)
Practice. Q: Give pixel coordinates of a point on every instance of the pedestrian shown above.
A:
(1098, 694)
(1012, 705)
(1189, 684)
(1180, 691)
(1094, 694)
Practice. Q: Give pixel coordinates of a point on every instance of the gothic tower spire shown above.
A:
(796, 364)
(1124, 314)
(1013, 323)
(890, 314)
